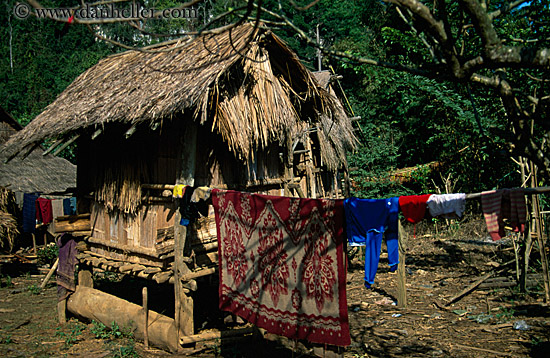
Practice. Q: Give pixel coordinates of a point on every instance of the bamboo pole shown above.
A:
(401, 270)
(209, 336)
(50, 273)
(145, 319)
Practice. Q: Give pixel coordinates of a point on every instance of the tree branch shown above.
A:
(436, 28)
(507, 8)
(482, 23)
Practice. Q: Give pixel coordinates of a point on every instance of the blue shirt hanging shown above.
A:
(367, 220)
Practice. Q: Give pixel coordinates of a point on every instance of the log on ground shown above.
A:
(97, 305)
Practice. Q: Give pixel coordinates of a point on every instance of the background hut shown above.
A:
(32, 172)
(232, 109)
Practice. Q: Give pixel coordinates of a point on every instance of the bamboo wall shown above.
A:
(144, 236)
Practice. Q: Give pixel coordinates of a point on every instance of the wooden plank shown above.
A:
(212, 335)
(126, 248)
(73, 223)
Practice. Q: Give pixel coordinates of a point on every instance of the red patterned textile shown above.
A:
(282, 264)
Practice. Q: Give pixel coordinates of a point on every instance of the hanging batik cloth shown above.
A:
(281, 264)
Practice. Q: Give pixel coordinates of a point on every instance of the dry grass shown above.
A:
(8, 224)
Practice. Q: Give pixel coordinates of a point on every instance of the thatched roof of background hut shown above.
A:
(35, 172)
(244, 82)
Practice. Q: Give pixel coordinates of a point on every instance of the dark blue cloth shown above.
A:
(29, 212)
(367, 220)
(69, 206)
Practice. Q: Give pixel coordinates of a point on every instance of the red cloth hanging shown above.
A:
(44, 211)
(413, 207)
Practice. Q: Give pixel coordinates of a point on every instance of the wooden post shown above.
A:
(542, 251)
(401, 270)
(335, 179)
(62, 311)
(34, 243)
(310, 176)
(145, 319)
(347, 183)
(289, 165)
(85, 276)
(526, 252)
(183, 315)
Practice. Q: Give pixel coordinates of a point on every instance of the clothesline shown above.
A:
(526, 191)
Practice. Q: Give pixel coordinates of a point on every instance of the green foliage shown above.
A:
(103, 332)
(47, 255)
(112, 333)
(71, 337)
(407, 120)
(505, 314)
(8, 283)
(34, 289)
(126, 351)
(6, 339)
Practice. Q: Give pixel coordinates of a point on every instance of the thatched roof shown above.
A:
(34, 173)
(245, 83)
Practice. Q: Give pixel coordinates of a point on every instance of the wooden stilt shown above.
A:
(183, 315)
(62, 311)
(401, 270)
(34, 243)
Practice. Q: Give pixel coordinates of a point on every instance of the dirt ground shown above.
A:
(489, 322)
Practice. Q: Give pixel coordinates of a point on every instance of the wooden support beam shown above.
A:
(196, 274)
(97, 133)
(52, 147)
(127, 248)
(183, 316)
(210, 336)
(67, 143)
(130, 131)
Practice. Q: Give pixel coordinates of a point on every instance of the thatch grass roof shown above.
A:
(244, 82)
(34, 173)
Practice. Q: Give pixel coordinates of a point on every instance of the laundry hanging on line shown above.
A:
(281, 263)
(498, 205)
(367, 220)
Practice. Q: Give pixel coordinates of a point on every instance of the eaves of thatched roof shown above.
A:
(244, 82)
